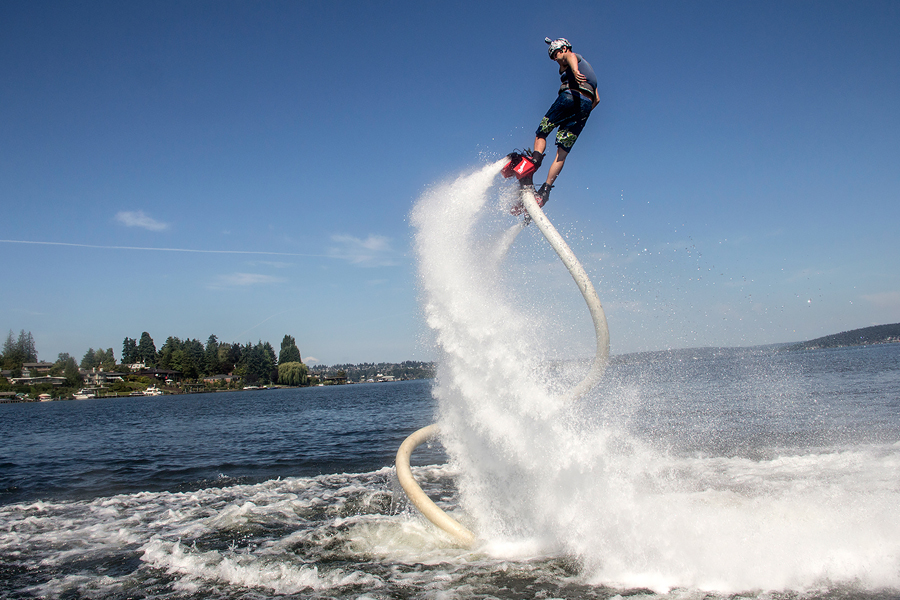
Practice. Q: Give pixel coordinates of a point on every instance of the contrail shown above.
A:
(71, 245)
(240, 335)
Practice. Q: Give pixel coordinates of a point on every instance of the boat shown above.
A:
(153, 391)
(84, 394)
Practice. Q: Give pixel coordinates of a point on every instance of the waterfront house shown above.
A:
(33, 369)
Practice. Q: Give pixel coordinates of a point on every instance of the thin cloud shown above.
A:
(270, 263)
(139, 219)
(245, 280)
(374, 251)
(884, 299)
(190, 250)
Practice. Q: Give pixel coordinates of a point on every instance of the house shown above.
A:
(33, 369)
(99, 377)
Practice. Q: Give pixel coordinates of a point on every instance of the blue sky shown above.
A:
(247, 169)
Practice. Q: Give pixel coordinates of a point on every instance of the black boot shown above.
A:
(543, 194)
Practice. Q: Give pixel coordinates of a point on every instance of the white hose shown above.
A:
(420, 499)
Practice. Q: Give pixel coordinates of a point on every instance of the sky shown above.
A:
(247, 169)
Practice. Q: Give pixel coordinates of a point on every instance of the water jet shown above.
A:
(414, 492)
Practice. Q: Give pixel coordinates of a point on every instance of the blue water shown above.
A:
(291, 493)
(100, 447)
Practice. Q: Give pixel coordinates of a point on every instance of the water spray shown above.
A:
(460, 534)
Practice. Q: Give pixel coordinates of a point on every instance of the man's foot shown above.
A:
(518, 208)
(543, 194)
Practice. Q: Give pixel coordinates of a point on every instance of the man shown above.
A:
(577, 97)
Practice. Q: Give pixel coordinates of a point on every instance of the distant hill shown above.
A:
(879, 334)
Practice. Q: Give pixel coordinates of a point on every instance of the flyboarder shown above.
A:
(577, 98)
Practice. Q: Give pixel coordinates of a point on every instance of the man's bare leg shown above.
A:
(557, 165)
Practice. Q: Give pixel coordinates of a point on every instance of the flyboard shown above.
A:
(522, 167)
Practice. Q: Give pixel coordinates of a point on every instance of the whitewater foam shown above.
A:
(539, 478)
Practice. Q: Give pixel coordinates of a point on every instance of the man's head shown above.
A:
(557, 47)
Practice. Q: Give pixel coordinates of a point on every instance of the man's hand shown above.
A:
(572, 62)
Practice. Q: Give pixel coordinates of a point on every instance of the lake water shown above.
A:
(733, 467)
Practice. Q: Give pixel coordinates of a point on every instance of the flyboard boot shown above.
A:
(522, 165)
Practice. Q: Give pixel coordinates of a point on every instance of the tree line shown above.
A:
(251, 363)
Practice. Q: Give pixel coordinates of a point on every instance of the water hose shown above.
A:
(420, 499)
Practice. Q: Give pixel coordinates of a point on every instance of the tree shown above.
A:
(147, 350)
(257, 363)
(70, 370)
(167, 359)
(89, 360)
(16, 352)
(130, 353)
(211, 356)
(60, 365)
(229, 355)
(293, 373)
(26, 345)
(109, 361)
(270, 363)
(12, 358)
(250, 366)
(289, 351)
(192, 364)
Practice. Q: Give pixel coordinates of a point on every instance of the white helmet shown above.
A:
(557, 44)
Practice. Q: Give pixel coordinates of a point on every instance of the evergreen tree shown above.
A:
(167, 358)
(130, 351)
(211, 356)
(12, 358)
(147, 350)
(27, 348)
(89, 360)
(18, 351)
(109, 361)
(252, 363)
(270, 363)
(193, 360)
(71, 372)
(289, 351)
(228, 356)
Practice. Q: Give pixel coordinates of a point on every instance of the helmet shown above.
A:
(557, 44)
